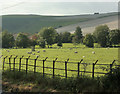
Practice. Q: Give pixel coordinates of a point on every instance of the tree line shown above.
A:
(49, 36)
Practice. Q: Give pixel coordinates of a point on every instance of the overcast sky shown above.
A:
(58, 7)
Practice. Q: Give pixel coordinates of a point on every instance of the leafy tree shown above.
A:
(66, 37)
(49, 34)
(101, 35)
(75, 40)
(41, 42)
(34, 39)
(77, 35)
(88, 40)
(7, 40)
(114, 36)
(33, 42)
(59, 44)
(22, 41)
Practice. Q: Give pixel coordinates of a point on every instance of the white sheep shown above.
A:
(76, 52)
(107, 48)
(83, 56)
(93, 52)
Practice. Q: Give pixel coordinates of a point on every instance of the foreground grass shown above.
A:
(20, 82)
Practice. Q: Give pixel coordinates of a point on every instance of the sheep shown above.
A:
(107, 48)
(29, 52)
(93, 52)
(8, 51)
(37, 56)
(83, 56)
(76, 52)
(38, 51)
(70, 48)
(33, 54)
(44, 50)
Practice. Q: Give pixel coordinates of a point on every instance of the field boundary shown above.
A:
(65, 69)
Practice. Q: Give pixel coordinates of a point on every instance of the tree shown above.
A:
(49, 35)
(66, 37)
(34, 39)
(101, 35)
(88, 40)
(22, 41)
(114, 36)
(41, 42)
(77, 35)
(59, 44)
(7, 40)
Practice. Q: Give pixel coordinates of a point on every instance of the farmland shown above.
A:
(103, 55)
(33, 23)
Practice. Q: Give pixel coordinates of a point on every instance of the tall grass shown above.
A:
(82, 84)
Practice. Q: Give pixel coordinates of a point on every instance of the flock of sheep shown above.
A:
(93, 52)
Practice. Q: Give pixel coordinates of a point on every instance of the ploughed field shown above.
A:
(69, 51)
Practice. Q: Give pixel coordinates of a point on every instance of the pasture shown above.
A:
(33, 23)
(74, 52)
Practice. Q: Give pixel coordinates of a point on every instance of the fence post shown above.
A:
(10, 62)
(44, 65)
(35, 64)
(94, 68)
(14, 63)
(20, 63)
(66, 67)
(1, 56)
(79, 67)
(4, 62)
(111, 66)
(54, 67)
(27, 64)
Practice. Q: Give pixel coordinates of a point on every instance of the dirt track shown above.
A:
(89, 26)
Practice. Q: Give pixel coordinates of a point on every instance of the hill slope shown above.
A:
(33, 23)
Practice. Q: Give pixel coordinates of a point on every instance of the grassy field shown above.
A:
(103, 55)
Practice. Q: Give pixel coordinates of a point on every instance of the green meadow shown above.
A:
(103, 55)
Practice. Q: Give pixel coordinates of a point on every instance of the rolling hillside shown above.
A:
(33, 23)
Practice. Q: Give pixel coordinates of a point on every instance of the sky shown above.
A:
(58, 7)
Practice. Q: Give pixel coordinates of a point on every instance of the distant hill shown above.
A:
(33, 23)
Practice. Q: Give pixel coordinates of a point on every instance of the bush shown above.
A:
(96, 45)
(88, 40)
(111, 82)
(59, 44)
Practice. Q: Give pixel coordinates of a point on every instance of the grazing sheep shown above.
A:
(76, 52)
(83, 56)
(33, 54)
(70, 48)
(107, 48)
(38, 51)
(29, 52)
(93, 52)
(37, 56)
(44, 50)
